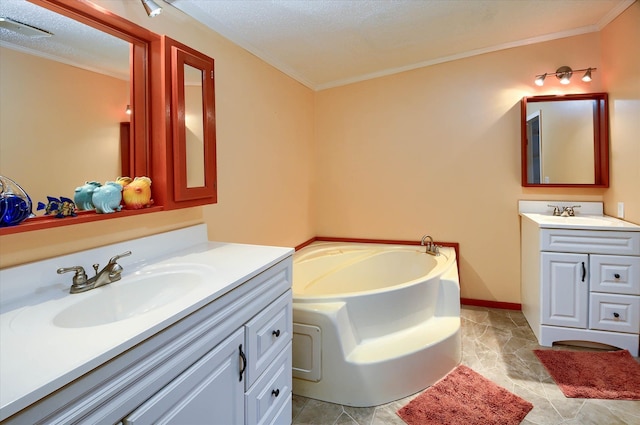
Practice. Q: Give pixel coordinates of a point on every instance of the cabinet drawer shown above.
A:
(267, 334)
(590, 241)
(620, 313)
(615, 273)
(263, 402)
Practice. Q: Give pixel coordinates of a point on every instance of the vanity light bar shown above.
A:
(22, 28)
(564, 74)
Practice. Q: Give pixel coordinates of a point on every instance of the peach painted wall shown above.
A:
(264, 123)
(621, 59)
(437, 150)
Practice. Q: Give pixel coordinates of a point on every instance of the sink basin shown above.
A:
(134, 296)
(581, 221)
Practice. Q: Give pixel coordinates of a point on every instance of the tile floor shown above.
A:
(497, 344)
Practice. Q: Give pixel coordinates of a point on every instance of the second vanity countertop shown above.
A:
(588, 216)
(582, 222)
(38, 357)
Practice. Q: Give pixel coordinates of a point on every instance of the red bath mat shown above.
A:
(612, 375)
(464, 397)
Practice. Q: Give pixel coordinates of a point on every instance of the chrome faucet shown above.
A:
(431, 248)
(112, 272)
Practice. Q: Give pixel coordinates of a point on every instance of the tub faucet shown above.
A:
(431, 248)
(112, 272)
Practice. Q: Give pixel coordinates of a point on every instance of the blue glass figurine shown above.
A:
(15, 204)
(59, 208)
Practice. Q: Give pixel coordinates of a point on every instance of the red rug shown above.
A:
(464, 397)
(612, 375)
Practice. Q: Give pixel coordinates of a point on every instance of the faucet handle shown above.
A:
(556, 209)
(117, 257)
(79, 278)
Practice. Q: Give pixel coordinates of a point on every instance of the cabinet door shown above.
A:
(192, 164)
(565, 289)
(209, 392)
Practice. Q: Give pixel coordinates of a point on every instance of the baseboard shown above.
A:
(491, 304)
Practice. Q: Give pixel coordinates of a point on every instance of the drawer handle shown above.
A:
(616, 315)
(584, 272)
(617, 276)
(244, 362)
(275, 392)
(276, 333)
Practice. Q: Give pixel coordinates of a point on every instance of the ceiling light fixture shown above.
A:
(128, 110)
(22, 28)
(151, 7)
(564, 74)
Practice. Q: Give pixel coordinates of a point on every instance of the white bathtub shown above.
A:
(373, 323)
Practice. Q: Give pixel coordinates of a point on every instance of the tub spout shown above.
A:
(430, 247)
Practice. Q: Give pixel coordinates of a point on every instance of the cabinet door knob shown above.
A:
(617, 276)
(616, 315)
(275, 392)
(276, 333)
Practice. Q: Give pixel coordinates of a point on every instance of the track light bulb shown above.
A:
(540, 79)
(564, 74)
(587, 76)
(151, 8)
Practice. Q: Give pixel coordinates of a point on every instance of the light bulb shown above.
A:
(587, 76)
(540, 79)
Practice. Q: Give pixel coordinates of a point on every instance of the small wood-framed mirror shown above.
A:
(565, 140)
(193, 164)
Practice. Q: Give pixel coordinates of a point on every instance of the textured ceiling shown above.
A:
(327, 43)
(324, 43)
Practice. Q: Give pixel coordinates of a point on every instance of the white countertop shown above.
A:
(38, 357)
(581, 222)
(588, 216)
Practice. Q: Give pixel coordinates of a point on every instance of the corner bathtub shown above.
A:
(373, 323)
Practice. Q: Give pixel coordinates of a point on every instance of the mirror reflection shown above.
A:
(560, 148)
(194, 126)
(62, 103)
(565, 140)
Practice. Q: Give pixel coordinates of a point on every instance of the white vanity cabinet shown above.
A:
(227, 363)
(212, 390)
(581, 284)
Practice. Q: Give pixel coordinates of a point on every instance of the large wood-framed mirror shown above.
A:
(90, 145)
(565, 140)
